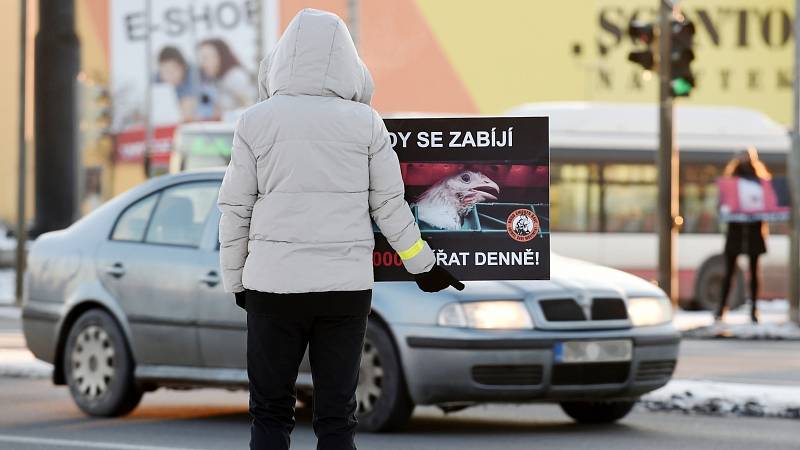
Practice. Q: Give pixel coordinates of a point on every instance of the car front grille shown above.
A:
(505, 375)
(562, 310)
(609, 309)
(590, 373)
(655, 370)
(568, 310)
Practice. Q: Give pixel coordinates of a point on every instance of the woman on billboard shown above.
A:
(226, 84)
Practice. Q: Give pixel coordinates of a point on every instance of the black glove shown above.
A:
(241, 300)
(436, 279)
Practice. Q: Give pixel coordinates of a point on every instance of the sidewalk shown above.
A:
(774, 323)
(15, 359)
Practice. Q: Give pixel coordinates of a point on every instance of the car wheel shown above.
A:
(597, 412)
(708, 285)
(98, 366)
(383, 400)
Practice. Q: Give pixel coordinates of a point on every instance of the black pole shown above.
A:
(666, 160)
(22, 163)
(57, 62)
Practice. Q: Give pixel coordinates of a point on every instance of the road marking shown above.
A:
(81, 444)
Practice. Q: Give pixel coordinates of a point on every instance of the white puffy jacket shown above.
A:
(310, 164)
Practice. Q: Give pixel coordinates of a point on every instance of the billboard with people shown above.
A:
(198, 61)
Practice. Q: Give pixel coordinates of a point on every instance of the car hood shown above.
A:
(568, 277)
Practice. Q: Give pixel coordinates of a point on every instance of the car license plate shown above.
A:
(593, 351)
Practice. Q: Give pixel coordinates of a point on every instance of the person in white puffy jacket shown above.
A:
(310, 165)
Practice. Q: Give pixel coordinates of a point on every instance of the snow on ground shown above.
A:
(763, 331)
(772, 311)
(725, 399)
(20, 363)
(7, 286)
(774, 323)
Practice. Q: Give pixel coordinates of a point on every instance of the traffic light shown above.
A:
(681, 57)
(642, 33)
(681, 54)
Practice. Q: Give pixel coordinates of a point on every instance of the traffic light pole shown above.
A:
(666, 161)
(793, 165)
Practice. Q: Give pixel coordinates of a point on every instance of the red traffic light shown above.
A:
(641, 32)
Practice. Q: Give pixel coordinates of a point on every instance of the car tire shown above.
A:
(383, 400)
(599, 411)
(98, 366)
(708, 285)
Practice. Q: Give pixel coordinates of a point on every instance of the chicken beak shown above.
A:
(486, 191)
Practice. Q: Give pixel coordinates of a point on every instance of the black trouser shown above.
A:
(730, 269)
(276, 341)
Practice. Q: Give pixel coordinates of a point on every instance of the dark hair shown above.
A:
(170, 53)
(227, 60)
(747, 165)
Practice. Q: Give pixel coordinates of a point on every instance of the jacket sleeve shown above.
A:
(388, 206)
(237, 195)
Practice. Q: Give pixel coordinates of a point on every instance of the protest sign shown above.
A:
(752, 200)
(479, 190)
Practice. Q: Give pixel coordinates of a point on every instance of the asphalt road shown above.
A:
(740, 361)
(36, 415)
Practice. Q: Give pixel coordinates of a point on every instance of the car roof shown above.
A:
(207, 126)
(162, 181)
(206, 172)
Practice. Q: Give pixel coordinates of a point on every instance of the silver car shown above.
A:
(129, 299)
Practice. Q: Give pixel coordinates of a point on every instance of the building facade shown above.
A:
(446, 56)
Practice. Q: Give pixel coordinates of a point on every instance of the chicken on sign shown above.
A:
(445, 204)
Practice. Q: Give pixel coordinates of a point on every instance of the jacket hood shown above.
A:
(315, 56)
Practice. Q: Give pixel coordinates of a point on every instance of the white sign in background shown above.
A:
(181, 26)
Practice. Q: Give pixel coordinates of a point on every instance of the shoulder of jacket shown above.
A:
(254, 111)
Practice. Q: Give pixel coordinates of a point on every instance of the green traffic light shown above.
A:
(681, 87)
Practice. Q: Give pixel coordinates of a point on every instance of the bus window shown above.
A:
(699, 198)
(629, 198)
(575, 197)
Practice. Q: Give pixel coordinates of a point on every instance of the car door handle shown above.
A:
(211, 278)
(116, 270)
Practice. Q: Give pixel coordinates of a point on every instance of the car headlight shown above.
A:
(649, 311)
(487, 315)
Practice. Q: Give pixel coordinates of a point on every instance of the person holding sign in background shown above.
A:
(310, 165)
(745, 237)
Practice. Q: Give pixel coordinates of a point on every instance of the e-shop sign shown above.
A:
(479, 190)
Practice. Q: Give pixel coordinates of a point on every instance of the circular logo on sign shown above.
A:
(522, 225)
